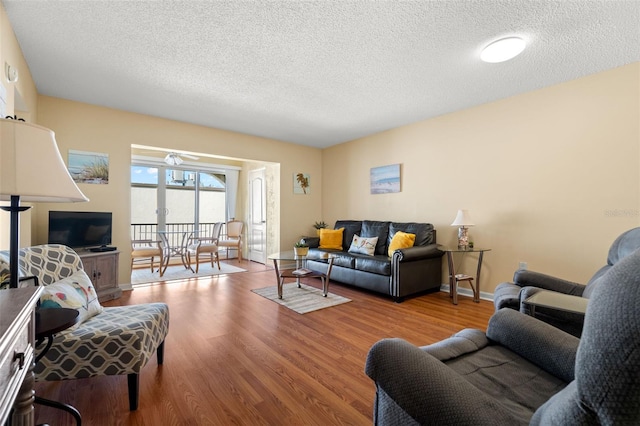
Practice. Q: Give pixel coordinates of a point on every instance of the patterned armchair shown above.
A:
(118, 340)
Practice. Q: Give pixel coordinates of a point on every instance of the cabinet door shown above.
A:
(91, 268)
(106, 271)
(102, 269)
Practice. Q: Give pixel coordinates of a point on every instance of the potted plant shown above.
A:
(301, 248)
(319, 225)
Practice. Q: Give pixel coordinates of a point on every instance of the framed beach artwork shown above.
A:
(88, 167)
(301, 183)
(385, 179)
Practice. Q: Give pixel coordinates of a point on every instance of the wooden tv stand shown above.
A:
(102, 269)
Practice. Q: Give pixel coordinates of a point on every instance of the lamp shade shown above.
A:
(31, 165)
(462, 219)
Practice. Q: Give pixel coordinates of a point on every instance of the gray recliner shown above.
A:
(522, 371)
(527, 283)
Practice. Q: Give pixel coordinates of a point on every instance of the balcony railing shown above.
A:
(149, 231)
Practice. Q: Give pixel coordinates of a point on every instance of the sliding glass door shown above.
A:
(175, 200)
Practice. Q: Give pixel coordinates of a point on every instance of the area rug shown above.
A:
(301, 300)
(179, 272)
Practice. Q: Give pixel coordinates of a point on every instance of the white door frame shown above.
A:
(257, 223)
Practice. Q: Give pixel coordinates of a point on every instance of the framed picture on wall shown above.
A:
(385, 179)
(301, 183)
(88, 167)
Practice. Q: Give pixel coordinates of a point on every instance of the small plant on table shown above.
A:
(301, 248)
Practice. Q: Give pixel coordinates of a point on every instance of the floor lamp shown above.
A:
(32, 170)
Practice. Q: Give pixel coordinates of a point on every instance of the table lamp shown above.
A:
(31, 169)
(463, 220)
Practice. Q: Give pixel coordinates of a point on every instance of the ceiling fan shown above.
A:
(175, 159)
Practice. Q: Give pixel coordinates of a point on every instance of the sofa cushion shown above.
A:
(363, 245)
(351, 227)
(423, 231)
(380, 265)
(75, 292)
(495, 369)
(401, 240)
(372, 228)
(331, 238)
(346, 260)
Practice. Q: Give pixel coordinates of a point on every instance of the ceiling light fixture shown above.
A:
(173, 159)
(503, 50)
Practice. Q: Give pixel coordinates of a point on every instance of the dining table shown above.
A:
(174, 243)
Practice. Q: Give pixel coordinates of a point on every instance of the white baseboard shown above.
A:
(467, 292)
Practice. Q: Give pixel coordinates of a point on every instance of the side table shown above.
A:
(455, 278)
(558, 301)
(48, 323)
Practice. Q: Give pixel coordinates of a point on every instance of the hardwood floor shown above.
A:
(233, 357)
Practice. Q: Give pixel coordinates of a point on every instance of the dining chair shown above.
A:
(147, 250)
(204, 245)
(233, 238)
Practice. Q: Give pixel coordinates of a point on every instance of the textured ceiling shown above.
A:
(318, 72)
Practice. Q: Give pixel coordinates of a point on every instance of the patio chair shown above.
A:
(232, 239)
(204, 246)
(147, 250)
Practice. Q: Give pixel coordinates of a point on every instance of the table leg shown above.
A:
(326, 277)
(278, 278)
(476, 291)
(47, 402)
(299, 264)
(59, 405)
(182, 251)
(166, 252)
(453, 284)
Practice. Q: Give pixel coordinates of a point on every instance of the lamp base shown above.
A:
(14, 241)
(463, 238)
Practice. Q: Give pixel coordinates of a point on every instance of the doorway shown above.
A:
(174, 199)
(257, 229)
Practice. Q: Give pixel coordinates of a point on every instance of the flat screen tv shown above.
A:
(80, 229)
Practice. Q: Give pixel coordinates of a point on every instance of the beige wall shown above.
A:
(550, 177)
(22, 95)
(91, 128)
(21, 100)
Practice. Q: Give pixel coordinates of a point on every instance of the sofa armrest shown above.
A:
(427, 390)
(418, 253)
(546, 346)
(312, 242)
(525, 278)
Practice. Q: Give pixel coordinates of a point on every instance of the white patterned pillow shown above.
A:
(75, 292)
(363, 245)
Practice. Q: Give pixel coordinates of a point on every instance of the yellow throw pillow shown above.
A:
(401, 240)
(331, 238)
